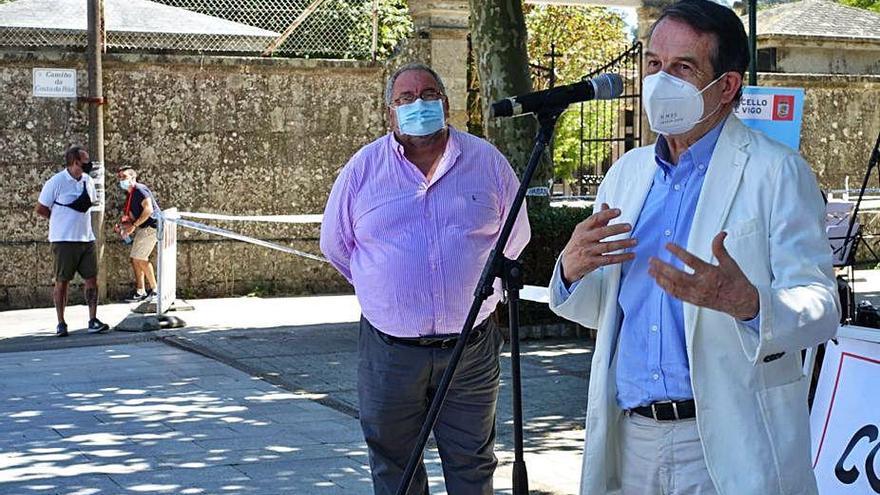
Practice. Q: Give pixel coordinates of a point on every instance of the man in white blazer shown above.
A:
(706, 270)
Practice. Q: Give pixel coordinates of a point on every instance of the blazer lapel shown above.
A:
(629, 194)
(719, 189)
(633, 186)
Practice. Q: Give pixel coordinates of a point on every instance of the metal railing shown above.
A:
(287, 28)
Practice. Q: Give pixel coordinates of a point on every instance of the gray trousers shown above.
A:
(396, 383)
(663, 458)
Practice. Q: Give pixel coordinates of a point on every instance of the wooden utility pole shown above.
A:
(374, 46)
(96, 128)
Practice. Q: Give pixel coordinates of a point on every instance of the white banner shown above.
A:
(167, 235)
(845, 419)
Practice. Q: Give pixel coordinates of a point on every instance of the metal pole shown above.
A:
(95, 19)
(512, 280)
(753, 42)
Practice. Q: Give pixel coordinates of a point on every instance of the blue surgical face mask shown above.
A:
(124, 184)
(421, 118)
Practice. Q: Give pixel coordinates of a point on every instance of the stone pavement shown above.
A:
(254, 396)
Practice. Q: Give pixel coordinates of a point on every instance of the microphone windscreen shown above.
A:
(607, 86)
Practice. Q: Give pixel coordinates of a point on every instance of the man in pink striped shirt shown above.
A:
(410, 223)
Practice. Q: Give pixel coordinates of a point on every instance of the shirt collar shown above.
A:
(69, 177)
(451, 142)
(447, 160)
(699, 153)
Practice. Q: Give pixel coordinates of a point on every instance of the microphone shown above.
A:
(601, 87)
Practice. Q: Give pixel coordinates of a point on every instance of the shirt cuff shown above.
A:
(754, 324)
(562, 292)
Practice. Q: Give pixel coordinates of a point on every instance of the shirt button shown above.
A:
(677, 187)
(655, 376)
(667, 232)
(654, 328)
(701, 167)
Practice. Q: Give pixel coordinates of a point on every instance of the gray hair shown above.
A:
(72, 154)
(389, 88)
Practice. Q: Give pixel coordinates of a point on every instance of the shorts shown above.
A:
(144, 242)
(75, 257)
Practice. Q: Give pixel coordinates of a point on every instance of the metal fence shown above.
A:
(287, 28)
(610, 128)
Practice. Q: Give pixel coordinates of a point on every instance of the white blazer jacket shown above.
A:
(751, 403)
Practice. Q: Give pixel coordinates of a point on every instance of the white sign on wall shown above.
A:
(845, 419)
(55, 83)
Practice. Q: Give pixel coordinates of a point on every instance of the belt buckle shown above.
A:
(445, 343)
(674, 409)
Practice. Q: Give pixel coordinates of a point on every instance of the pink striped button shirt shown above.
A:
(414, 249)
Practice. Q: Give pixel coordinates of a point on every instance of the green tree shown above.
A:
(498, 40)
(587, 38)
(872, 5)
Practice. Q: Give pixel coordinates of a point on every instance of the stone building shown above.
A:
(818, 37)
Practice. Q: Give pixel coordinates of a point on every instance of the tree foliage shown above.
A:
(587, 38)
(872, 5)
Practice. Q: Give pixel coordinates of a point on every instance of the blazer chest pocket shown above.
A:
(739, 230)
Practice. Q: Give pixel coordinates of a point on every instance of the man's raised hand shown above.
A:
(586, 250)
(722, 287)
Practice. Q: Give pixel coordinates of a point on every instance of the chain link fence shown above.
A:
(286, 28)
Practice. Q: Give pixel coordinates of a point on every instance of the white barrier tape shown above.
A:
(239, 237)
(255, 218)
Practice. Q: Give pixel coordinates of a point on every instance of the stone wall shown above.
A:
(816, 56)
(841, 122)
(208, 134)
(816, 60)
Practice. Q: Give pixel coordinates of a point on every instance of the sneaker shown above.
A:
(61, 330)
(97, 326)
(135, 296)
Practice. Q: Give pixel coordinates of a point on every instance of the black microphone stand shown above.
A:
(510, 272)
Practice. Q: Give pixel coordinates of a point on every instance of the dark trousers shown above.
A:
(396, 383)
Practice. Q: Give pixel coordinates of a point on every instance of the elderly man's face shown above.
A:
(679, 50)
(409, 85)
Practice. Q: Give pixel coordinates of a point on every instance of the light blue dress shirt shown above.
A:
(652, 364)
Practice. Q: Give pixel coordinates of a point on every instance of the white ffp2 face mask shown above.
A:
(674, 106)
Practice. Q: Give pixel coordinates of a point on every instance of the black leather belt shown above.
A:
(436, 341)
(668, 410)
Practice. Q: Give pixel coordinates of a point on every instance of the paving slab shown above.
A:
(252, 385)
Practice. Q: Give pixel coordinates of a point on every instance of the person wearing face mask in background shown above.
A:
(706, 270)
(410, 222)
(65, 200)
(139, 223)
